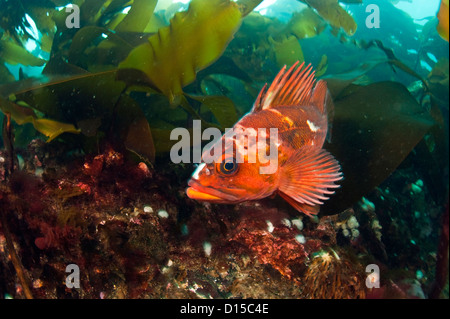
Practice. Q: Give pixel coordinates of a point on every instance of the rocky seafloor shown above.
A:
(133, 233)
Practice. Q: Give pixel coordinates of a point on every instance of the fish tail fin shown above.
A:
(307, 177)
(321, 98)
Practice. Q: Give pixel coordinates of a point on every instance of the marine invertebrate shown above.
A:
(331, 274)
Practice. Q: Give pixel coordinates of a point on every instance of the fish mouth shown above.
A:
(204, 193)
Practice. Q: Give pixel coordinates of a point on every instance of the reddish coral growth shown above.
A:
(279, 250)
(56, 237)
(269, 235)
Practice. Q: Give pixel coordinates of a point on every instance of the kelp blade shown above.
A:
(22, 115)
(195, 39)
(372, 136)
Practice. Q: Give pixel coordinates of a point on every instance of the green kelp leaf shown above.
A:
(22, 115)
(331, 11)
(287, 51)
(306, 24)
(372, 136)
(221, 107)
(194, 40)
(15, 54)
(5, 75)
(138, 17)
(322, 67)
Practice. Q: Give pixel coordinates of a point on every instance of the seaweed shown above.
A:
(22, 115)
(331, 11)
(382, 136)
(195, 38)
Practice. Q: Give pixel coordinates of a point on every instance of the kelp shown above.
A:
(332, 12)
(287, 51)
(22, 115)
(221, 107)
(138, 17)
(134, 129)
(247, 6)
(195, 38)
(89, 103)
(5, 75)
(306, 24)
(438, 80)
(443, 17)
(14, 54)
(105, 39)
(382, 131)
(322, 67)
(85, 53)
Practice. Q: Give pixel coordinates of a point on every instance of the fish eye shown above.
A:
(228, 167)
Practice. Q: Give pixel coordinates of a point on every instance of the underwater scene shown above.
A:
(224, 149)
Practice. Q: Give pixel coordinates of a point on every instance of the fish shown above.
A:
(300, 110)
(443, 25)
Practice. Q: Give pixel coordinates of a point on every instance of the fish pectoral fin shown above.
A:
(306, 178)
(303, 208)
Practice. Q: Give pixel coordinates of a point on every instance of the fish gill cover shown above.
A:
(90, 92)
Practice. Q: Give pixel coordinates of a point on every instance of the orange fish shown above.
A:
(300, 110)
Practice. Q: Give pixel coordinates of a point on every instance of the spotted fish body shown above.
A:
(301, 111)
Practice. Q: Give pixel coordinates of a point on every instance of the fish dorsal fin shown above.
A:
(292, 87)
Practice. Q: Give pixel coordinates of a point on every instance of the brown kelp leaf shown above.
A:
(374, 129)
(247, 6)
(138, 17)
(338, 82)
(322, 67)
(194, 39)
(221, 107)
(15, 54)
(287, 51)
(306, 24)
(22, 115)
(392, 59)
(442, 15)
(75, 98)
(134, 129)
(438, 79)
(331, 11)
(5, 75)
(86, 40)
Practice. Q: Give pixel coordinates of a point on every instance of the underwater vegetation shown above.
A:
(86, 178)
